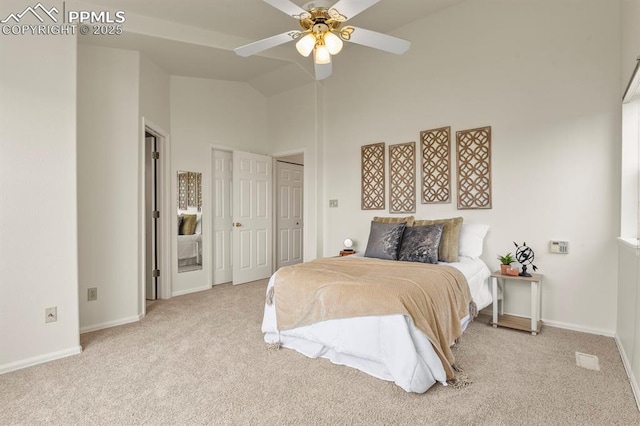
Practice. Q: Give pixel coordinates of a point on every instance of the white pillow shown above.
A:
(472, 239)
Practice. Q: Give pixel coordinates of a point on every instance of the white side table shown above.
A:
(533, 324)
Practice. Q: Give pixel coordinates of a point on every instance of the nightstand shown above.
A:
(346, 252)
(533, 324)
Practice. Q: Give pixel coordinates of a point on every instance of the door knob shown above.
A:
(238, 224)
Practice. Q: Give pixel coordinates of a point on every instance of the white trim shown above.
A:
(580, 328)
(109, 324)
(629, 371)
(634, 84)
(40, 359)
(191, 290)
(633, 243)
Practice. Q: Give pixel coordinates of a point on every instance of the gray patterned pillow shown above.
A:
(384, 240)
(420, 243)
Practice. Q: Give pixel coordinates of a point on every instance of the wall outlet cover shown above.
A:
(92, 294)
(51, 314)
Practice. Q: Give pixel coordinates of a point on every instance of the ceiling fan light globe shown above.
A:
(306, 44)
(321, 55)
(333, 43)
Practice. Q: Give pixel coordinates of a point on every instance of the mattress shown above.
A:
(189, 246)
(388, 347)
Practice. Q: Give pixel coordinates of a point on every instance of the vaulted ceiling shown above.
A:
(196, 38)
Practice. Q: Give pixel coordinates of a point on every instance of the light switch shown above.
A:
(333, 203)
(561, 247)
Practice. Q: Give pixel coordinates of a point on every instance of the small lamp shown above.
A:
(348, 244)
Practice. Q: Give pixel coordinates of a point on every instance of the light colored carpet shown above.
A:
(200, 359)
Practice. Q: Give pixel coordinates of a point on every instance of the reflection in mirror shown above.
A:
(189, 221)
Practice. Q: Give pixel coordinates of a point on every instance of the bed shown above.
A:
(189, 249)
(189, 238)
(390, 347)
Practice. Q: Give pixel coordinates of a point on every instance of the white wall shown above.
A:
(155, 98)
(108, 185)
(38, 235)
(295, 125)
(207, 113)
(546, 76)
(630, 29)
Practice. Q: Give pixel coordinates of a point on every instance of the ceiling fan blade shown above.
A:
(350, 8)
(287, 7)
(266, 43)
(323, 71)
(379, 41)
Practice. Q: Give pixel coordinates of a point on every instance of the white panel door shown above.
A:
(252, 217)
(289, 223)
(222, 217)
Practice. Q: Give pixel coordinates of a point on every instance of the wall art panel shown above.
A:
(372, 177)
(473, 148)
(402, 178)
(435, 147)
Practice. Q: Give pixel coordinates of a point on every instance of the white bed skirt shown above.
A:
(388, 347)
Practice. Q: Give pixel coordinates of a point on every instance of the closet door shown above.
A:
(222, 217)
(289, 225)
(252, 217)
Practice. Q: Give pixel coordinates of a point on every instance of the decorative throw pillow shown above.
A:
(408, 220)
(384, 240)
(188, 225)
(420, 243)
(448, 250)
(472, 240)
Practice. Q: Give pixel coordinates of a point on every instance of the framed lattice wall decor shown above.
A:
(402, 178)
(189, 190)
(372, 176)
(473, 148)
(435, 147)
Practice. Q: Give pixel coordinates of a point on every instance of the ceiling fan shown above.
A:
(323, 32)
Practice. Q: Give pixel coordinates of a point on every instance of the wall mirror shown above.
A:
(189, 221)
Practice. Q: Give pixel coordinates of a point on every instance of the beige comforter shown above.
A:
(436, 297)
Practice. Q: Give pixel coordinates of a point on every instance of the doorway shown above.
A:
(152, 216)
(289, 210)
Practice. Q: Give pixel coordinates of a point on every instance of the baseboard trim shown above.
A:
(109, 324)
(574, 327)
(40, 359)
(564, 325)
(627, 367)
(191, 290)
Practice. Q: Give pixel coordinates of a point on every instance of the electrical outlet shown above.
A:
(333, 203)
(51, 314)
(92, 294)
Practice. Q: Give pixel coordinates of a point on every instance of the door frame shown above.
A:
(164, 198)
